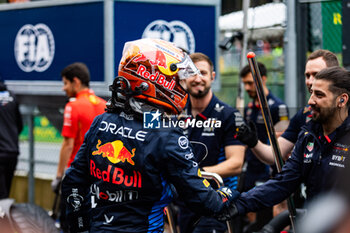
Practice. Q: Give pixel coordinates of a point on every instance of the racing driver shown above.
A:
(129, 165)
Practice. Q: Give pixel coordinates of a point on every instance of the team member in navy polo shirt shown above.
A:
(316, 61)
(256, 170)
(320, 151)
(224, 153)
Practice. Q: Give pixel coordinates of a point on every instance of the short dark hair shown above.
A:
(195, 57)
(79, 70)
(339, 77)
(246, 70)
(329, 58)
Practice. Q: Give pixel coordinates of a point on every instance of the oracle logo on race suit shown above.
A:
(175, 31)
(34, 48)
(122, 131)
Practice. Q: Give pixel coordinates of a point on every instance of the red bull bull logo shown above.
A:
(115, 152)
(158, 59)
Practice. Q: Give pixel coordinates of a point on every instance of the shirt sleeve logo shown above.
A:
(183, 142)
(310, 146)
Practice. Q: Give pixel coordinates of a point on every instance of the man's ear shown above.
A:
(344, 98)
(77, 83)
(213, 74)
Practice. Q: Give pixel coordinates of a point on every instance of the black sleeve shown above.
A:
(76, 186)
(277, 189)
(294, 128)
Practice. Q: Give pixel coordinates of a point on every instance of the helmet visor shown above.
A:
(187, 68)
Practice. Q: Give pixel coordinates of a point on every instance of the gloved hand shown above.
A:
(228, 194)
(247, 134)
(230, 211)
(56, 184)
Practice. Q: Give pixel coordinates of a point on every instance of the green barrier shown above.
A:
(43, 131)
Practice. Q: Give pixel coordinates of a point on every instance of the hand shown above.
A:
(230, 210)
(56, 184)
(247, 134)
(228, 194)
(229, 213)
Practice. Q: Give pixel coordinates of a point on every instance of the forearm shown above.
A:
(232, 166)
(65, 153)
(270, 193)
(264, 153)
(225, 169)
(75, 190)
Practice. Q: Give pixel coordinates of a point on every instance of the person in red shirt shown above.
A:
(79, 112)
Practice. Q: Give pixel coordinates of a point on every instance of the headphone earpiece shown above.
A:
(341, 100)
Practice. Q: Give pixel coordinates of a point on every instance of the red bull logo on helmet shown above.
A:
(158, 59)
(158, 78)
(115, 152)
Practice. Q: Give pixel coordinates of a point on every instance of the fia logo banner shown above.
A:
(151, 120)
(175, 31)
(34, 48)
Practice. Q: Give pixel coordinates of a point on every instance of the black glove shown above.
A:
(247, 134)
(230, 195)
(56, 184)
(229, 213)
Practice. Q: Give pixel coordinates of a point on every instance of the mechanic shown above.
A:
(320, 151)
(316, 61)
(215, 148)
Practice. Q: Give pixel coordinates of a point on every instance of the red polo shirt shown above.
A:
(79, 113)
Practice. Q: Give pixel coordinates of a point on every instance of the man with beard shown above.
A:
(320, 151)
(316, 61)
(215, 148)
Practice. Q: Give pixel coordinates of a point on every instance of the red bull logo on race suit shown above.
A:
(115, 152)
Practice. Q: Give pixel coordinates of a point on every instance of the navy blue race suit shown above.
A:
(315, 161)
(215, 140)
(122, 176)
(256, 170)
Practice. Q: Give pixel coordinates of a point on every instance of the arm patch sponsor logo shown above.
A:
(183, 142)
